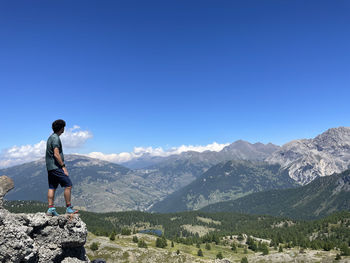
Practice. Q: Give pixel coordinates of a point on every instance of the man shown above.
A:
(57, 170)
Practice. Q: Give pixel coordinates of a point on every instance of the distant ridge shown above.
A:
(95, 181)
(238, 150)
(322, 197)
(226, 181)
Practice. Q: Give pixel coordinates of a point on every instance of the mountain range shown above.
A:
(97, 185)
(103, 186)
(226, 181)
(238, 150)
(320, 198)
(323, 155)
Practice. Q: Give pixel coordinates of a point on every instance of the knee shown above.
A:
(69, 187)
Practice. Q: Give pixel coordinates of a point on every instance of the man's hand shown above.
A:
(65, 170)
(57, 155)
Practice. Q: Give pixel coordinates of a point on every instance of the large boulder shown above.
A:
(38, 237)
(6, 184)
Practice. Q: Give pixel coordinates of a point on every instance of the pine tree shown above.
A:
(233, 247)
(264, 249)
(280, 249)
(200, 253)
(142, 244)
(112, 236)
(327, 246)
(219, 255)
(161, 242)
(345, 250)
(207, 246)
(94, 246)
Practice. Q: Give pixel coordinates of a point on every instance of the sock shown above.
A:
(50, 206)
(68, 205)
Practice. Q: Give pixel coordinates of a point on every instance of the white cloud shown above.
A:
(139, 151)
(113, 157)
(73, 138)
(22, 154)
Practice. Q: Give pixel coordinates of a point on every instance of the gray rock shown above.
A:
(38, 237)
(6, 184)
(307, 159)
(72, 260)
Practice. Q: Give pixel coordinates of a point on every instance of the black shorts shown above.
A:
(57, 177)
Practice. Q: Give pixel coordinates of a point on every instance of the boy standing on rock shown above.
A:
(56, 169)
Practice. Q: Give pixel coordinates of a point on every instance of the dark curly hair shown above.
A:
(57, 125)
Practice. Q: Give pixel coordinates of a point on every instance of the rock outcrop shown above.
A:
(38, 237)
(307, 159)
(6, 184)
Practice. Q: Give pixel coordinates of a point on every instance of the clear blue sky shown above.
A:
(166, 73)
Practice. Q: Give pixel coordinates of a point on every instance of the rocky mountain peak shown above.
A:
(334, 137)
(324, 155)
(243, 150)
(38, 237)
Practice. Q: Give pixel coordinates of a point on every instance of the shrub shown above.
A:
(280, 249)
(126, 232)
(327, 246)
(244, 260)
(142, 244)
(112, 236)
(219, 255)
(200, 253)
(161, 242)
(265, 250)
(345, 250)
(233, 247)
(94, 246)
(207, 246)
(135, 239)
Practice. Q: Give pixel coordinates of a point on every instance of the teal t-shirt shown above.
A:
(53, 142)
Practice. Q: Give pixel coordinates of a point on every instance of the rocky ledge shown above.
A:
(38, 237)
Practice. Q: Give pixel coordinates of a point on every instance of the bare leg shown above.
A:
(51, 196)
(67, 194)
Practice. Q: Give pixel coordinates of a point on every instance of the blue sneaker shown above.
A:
(70, 210)
(52, 212)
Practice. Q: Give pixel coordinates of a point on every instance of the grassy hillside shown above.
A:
(323, 196)
(226, 181)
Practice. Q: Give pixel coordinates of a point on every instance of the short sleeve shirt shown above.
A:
(53, 142)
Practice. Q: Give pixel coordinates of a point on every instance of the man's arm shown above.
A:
(56, 154)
